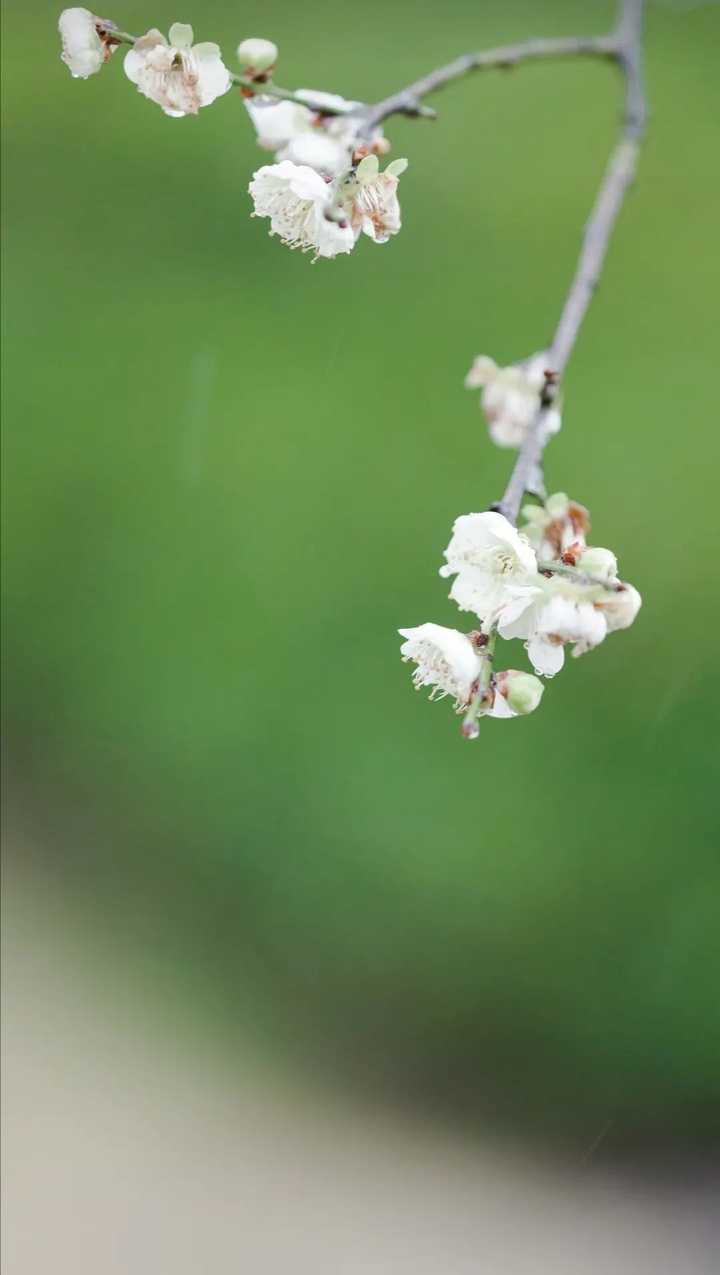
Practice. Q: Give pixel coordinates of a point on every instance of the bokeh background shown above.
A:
(229, 478)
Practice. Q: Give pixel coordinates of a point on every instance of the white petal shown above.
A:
(506, 431)
(333, 238)
(315, 149)
(277, 123)
(481, 373)
(546, 658)
(135, 62)
(214, 77)
(473, 590)
(500, 707)
(307, 184)
(519, 612)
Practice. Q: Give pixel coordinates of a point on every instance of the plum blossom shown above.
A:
(299, 131)
(293, 132)
(375, 206)
(558, 617)
(564, 622)
(495, 568)
(446, 660)
(84, 49)
(510, 397)
(298, 202)
(309, 210)
(179, 75)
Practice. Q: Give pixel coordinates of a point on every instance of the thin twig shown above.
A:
(408, 100)
(619, 175)
(584, 578)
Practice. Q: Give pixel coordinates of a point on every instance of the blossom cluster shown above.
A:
(310, 210)
(325, 188)
(541, 583)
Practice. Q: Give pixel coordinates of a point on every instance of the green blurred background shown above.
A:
(230, 475)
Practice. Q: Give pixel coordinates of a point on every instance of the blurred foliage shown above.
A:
(230, 475)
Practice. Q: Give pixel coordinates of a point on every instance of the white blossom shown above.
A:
(84, 51)
(296, 131)
(572, 611)
(557, 527)
(495, 568)
(297, 201)
(179, 75)
(510, 397)
(446, 660)
(559, 622)
(375, 208)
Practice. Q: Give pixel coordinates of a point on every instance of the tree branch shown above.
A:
(619, 175)
(408, 100)
(623, 46)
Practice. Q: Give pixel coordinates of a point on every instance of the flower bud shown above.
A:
(598, 562)
(557, 504)
(620, 608)
(522, 691)
(257, 55)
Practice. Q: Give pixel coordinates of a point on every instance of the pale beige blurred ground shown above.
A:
(127, 1151)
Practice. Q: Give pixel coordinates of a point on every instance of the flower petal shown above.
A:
(546, 658)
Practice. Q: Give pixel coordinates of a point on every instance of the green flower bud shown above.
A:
(257, 55)
(598, 562)
(522, 691)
